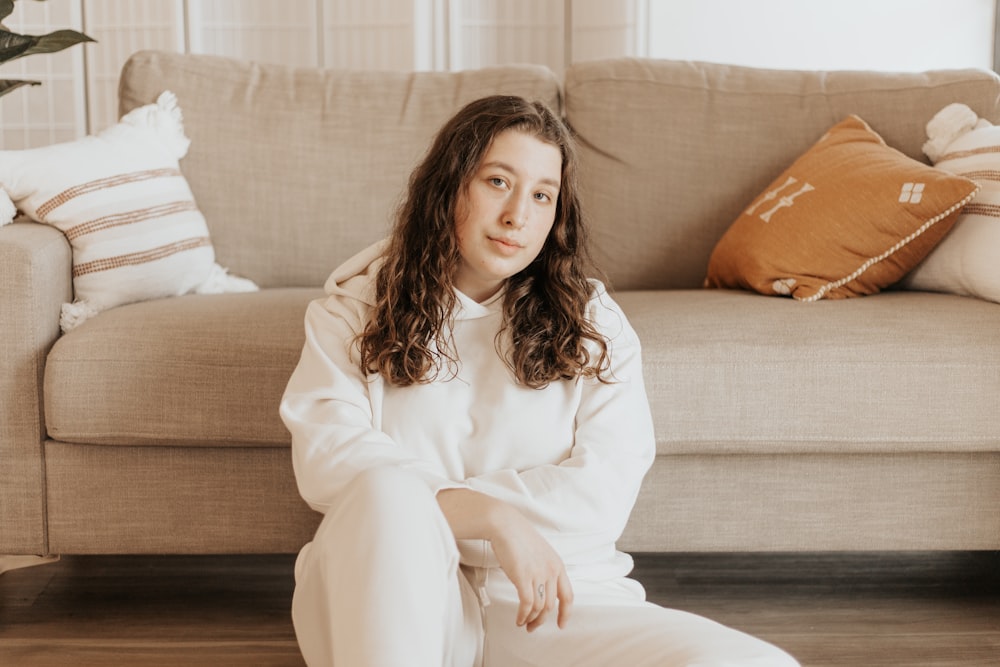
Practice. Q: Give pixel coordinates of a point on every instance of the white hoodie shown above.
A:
(570, 457)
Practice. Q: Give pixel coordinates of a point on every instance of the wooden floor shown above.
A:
(849, 609)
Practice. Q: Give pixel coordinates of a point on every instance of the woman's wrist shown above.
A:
(475, 515)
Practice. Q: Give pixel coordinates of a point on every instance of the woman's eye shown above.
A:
(497, 181)
(542, 196)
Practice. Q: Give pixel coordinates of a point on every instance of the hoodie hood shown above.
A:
(355, 279)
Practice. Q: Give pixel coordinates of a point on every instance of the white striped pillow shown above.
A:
(967, 260)
(126, 209)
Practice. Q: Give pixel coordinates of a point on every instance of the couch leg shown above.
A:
(8, 563)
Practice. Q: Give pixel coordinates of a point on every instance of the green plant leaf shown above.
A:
(7, 85)
(56, 41)
(13, 45)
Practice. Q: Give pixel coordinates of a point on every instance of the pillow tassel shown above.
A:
(74, 314)
(166, 119)
(949, 124)
(220, 282)
(7, 209)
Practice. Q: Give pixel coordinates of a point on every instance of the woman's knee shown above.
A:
(380, 502)
(385, 490)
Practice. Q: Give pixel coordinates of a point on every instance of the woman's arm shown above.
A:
(327, 407)
(525, 556)
(581, 505)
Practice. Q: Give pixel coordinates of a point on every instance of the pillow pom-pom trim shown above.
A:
(74, 314)
(7, 209)
(947, 125)
(822, 291)
(166, 118)
(219, 281)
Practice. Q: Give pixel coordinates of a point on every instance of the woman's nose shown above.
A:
(515, 215)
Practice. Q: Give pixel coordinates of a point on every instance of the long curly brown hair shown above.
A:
(407, 340)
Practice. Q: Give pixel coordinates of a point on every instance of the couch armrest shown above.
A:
(35, 280)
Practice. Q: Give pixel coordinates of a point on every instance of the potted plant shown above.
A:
(14, 45)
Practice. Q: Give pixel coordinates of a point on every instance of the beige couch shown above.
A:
(868, 423)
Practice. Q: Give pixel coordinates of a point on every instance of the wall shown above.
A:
(78, 95)
(903, 35)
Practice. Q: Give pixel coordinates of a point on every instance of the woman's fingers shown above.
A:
(536, 601)
(565, 592)
(526, 597)
(539, 608)
(545, 601)
(535, 569)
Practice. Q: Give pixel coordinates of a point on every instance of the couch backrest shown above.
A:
(296, 169)
(673, 151)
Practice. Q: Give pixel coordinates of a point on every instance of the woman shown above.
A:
(469, 415)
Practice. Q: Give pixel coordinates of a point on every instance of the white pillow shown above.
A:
(126, 209)
(967, 260)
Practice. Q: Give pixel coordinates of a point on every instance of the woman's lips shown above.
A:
(505, 245)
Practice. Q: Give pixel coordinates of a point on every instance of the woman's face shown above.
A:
(505, 214)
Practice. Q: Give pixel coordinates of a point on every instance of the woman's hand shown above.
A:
(536, 570)
(533, 566)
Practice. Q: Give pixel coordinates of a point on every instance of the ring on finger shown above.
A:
(541, 591)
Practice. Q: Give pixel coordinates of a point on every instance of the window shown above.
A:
(903, 35)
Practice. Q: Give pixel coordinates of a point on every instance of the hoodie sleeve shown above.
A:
(328, 408)
(581, 505)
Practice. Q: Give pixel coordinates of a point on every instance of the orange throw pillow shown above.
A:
(849, 217)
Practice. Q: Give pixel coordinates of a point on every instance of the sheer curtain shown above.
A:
(79, 88)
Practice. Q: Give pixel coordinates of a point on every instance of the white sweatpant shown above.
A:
(381, 586)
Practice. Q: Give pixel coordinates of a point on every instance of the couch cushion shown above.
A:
(849, 217)
(297, 169)
(124, 206)
(967, 261)
(191, 370)
(673, 151)
(726, 371)
(735, 372)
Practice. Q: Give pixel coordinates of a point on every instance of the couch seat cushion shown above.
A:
(726, 372)
(734, 372)
(191, 370)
